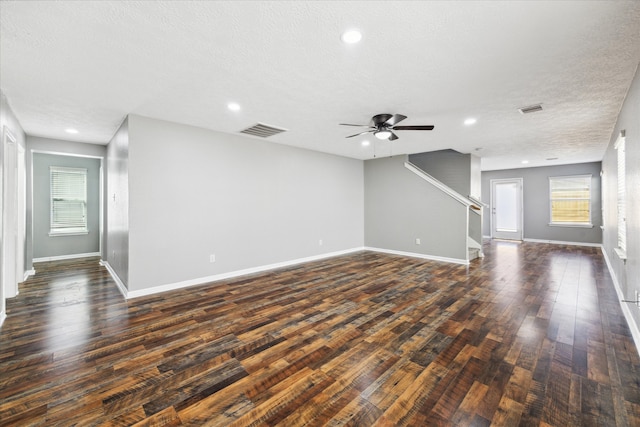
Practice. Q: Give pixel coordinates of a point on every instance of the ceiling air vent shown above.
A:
(530, 109)
(262, 130)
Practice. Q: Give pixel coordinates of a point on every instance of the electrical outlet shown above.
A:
(417, 241)
(320, 242)
(212, 258)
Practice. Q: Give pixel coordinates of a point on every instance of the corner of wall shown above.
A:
(116, 233)
(633, 326)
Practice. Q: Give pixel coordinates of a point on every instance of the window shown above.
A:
(622, 190)
(68, 201)
(570, 200)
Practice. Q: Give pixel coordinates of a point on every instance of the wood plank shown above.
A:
(533, 338)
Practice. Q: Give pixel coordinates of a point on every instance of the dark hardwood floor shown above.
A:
(530, 335)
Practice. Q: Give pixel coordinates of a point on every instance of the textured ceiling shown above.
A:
(87, 65)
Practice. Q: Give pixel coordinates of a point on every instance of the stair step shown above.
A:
(475, 253)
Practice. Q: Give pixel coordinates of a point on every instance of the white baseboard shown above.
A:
(232, 274)
(121, 287)
(3, 316)
(559, 242)
(63, 257)
(422, 256)
(633, 326)
(28, 273)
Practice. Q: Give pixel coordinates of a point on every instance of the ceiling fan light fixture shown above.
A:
(383, 126)
(382, 134)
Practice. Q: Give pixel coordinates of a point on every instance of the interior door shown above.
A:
(506, 209)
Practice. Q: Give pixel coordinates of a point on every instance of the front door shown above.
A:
(506, 208)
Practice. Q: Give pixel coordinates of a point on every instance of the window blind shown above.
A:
(68, 200)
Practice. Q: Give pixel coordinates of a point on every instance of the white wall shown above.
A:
(195, 192)
(116, 232)
(627, 274)
(8, 119)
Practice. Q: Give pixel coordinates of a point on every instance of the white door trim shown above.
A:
(9, 215)
(22, 213)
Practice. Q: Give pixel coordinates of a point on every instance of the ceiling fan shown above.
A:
(383, 125)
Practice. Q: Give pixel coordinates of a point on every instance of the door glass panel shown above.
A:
(506, 206)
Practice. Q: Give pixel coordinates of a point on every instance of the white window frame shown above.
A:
(621, 204)
(588, 224)
(58, 229)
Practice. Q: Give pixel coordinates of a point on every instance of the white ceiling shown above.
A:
(86, 65)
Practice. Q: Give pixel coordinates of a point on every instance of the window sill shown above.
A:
(68, 233)
(621, 254)
(570, 224)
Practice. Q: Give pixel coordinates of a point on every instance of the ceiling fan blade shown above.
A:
(349, 124)
(358, 134)
(393, 137)
(396, 118)
(379, 119)
(426, 127)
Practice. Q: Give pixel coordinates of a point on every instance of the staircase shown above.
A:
(472, 205)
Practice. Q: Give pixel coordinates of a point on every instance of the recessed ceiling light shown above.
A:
(365, 143)
(233, 106)
(351, 36)
(524, 162)
(470, 121)
(71, 130)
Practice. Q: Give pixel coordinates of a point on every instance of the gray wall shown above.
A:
(117, 202)
(475, 226)
(400, 207)
(8, 119)
(195, 192)
(628, 275)
(52, 246)
(40, 145)
(450, 167)
(535, 196)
